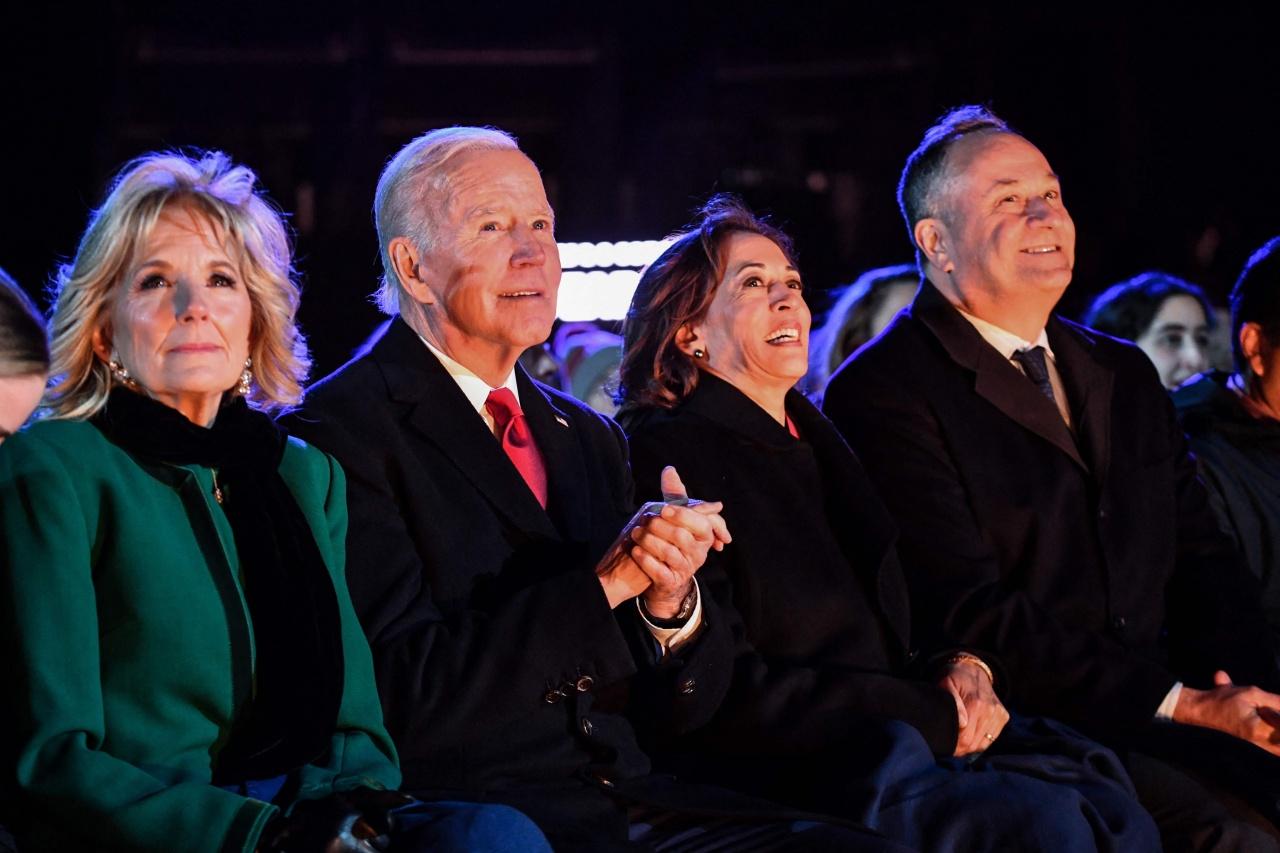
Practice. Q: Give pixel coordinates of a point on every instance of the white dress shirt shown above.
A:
(1007, 343)
(477, 393)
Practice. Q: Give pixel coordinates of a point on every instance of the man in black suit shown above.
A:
(1048, 507)
(519, 622)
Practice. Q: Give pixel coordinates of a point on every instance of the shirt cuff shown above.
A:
(671, 639)
(1165, 712)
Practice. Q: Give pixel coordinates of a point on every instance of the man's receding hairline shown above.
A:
(947, 174)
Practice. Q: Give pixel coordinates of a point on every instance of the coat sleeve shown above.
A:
(66, 774)
(361, 754)
(955, 576)
(483, 657)
(787, 707)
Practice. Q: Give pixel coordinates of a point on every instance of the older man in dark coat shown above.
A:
(518, 621)
(1048, 507)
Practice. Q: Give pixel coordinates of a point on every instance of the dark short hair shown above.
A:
(1256, 299)
(676, 290)
(1126, 310)
(926, 167)
(24, 349)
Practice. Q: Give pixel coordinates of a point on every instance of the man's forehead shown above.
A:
(996, 158)
(491, 180)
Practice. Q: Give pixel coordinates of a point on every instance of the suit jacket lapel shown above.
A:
(561, 450)
(995, 379)
(1089, 385)
(442, 415)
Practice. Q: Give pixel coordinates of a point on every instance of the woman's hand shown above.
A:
(661, 549)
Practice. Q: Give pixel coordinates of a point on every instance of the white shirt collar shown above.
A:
(475, 388)
(1005, 342)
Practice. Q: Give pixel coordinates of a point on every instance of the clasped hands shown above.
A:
(660, 549)
(981, 714)
(361, 820)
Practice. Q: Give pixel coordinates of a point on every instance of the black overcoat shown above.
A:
(503, 672)
(1088, 558)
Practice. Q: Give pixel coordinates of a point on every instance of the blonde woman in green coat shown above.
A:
(187, 672)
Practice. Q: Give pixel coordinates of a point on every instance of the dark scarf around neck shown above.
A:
(292, 716)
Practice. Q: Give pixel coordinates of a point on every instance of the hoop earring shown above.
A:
(246, 378)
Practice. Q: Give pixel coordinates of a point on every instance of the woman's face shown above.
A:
(179, 319)
(18, 398)
(1177, 341)
(756, 332)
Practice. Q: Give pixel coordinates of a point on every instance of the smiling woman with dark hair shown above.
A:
(829, 707)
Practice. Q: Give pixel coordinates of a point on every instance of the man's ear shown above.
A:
(688, 339)
(406, 260)
(1251, 347)
(934, 242)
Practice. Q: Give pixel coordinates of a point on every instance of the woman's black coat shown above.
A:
(811, 584)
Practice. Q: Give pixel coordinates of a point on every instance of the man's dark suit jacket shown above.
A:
(1090, 563)
(503, 672)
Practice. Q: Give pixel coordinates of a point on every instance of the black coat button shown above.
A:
(584, 683)
(688, 686)
(587, 728)
(1119, 623)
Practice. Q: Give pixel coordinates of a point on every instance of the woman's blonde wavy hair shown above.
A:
(224, 193)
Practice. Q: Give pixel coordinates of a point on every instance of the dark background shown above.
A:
(1159, 123)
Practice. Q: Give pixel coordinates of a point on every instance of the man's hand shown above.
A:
(661, 548)
(1249, 713)
(981, 714)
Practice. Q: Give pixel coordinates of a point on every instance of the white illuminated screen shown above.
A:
(599, 278)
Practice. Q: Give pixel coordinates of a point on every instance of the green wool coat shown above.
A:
(128, 647)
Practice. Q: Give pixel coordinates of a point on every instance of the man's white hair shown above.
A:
(410, 191)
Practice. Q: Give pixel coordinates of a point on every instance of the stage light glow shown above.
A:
(593, 287)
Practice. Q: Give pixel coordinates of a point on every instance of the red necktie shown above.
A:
(512, 427)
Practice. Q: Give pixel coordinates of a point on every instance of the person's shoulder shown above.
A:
(58, 435)
(578, 412)
(359, 378)
(887, 363)
(1117, 352)
(667, 429)
(347, 400)
(307, 467)
(63, 448)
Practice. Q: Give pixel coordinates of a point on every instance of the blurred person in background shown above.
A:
(861, 311)
(1169, 319)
